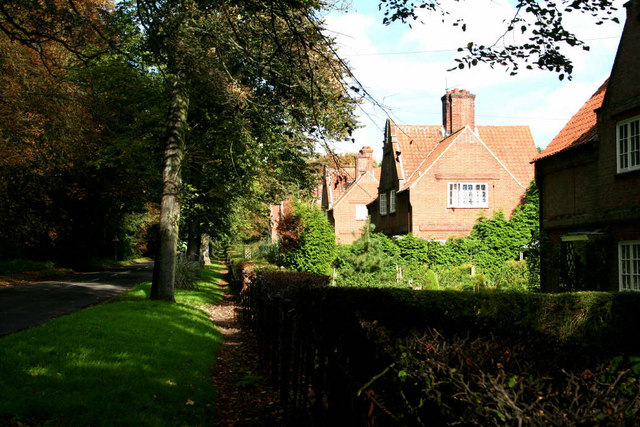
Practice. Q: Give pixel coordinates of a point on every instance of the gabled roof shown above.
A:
(512, 146)
(580, 129)
(338, 181)
(414, 144)
(431, 158)
(371, 188)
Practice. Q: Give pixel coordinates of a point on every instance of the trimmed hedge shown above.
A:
(395, 356)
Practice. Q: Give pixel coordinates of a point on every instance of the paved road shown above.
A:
(31, 304)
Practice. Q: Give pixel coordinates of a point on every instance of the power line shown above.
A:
(418, 52)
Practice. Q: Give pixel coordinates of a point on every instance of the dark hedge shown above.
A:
(396, 356)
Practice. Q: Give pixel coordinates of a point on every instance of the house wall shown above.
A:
(343, 215)
(467, 160)
(581, 190)
(569, 184)
(392, 223)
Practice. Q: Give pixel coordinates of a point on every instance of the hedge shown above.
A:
(396, 356)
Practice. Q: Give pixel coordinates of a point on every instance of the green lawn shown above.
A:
(132, 362)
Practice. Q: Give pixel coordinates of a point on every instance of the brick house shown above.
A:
(589, 182)
(276, 214)
(437, 180)
(345, 194)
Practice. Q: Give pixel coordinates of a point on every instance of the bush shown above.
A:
(308, 241)
(513, 276)
(8, 266)
(459, 278)
(400, 357)
(187, 274)
(367, 262)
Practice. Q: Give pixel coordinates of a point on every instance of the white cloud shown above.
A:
(411, 84)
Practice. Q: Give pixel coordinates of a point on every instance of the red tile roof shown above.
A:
(341, 179)
(580, 129)
(514, 147)
(370, 188)
(430, 159)
(415, 143)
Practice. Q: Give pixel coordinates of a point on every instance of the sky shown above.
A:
(405, 69)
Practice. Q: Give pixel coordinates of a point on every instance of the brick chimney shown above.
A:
(458, 110)
(364, 161)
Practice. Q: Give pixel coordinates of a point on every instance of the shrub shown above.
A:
(459, 278)
(8, 266)
(187, 274)
(445, 358)
(310, 245)
(513, 276)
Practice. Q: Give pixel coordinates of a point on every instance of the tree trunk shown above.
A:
(165, 264)
(205, 255)
(194, 241)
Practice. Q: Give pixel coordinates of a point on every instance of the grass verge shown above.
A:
(132, 362)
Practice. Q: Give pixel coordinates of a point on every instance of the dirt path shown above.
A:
(244, 397)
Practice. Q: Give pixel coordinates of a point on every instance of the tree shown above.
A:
(533, 37)
(311, 244)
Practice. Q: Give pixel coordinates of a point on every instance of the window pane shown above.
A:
(634, 143)
(622, 145)
(630, 266)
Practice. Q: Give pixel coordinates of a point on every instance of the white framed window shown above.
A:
(629, 265)
(361, 213)
(392, 201)
(468, 195)
(383, 203)
(628, 144)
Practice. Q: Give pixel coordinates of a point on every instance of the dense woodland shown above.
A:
(99, 99)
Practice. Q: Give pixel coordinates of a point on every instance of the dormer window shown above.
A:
(628, 144)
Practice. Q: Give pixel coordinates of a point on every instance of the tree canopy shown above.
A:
(534, 37)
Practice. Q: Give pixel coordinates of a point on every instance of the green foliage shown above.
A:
(465, 358)
(187, 273)
(492, 249)
(314, 248)
(130, 362)
(513, 276)
(8, 266)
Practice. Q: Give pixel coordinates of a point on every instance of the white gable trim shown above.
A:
(500, 161)
(417, 171)
(466, 128)
(329, 192)
(352, 186)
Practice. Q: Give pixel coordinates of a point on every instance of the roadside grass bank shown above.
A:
(129, 362)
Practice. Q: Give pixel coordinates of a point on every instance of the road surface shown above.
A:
(24, 306)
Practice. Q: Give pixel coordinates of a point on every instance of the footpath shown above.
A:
(244, 397)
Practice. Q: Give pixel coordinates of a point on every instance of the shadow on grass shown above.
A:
(133, 361)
